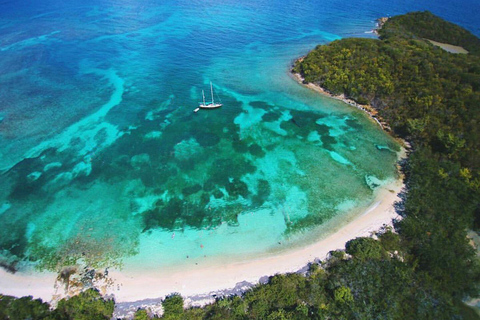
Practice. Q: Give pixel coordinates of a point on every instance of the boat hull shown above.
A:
(210, 106)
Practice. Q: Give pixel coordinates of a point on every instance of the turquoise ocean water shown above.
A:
(103, 160)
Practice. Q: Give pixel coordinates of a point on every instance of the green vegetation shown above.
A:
(431, 98)
(425, 25)
(22, 308)
(173, 306)
(88, 305)
(426, 94)
(423, 270)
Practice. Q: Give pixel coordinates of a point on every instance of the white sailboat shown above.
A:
(209, 105)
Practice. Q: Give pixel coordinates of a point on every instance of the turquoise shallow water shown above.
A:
(104, 161)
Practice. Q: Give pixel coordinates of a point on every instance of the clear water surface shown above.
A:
(103, 160)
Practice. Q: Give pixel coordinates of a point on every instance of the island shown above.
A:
(426, 266)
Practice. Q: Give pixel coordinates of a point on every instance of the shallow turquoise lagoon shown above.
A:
(104, 161)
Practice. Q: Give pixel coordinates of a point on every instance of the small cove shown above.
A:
(104, 162)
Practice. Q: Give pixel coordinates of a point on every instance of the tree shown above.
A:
(23, 308)
(343, 295)
(88, 305)
(141, 314)
(173, 306)
(365, 248)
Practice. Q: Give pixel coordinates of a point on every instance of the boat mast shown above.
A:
(203, 94)
(211, 89)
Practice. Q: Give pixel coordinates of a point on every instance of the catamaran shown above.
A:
(209, 105)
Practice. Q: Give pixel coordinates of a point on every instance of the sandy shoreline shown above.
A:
(132, 285)
(212, 278)
(216, 276)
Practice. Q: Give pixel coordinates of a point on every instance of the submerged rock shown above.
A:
(373, 182)
(34, 176)
(137, 161)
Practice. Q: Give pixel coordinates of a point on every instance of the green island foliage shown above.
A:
(426, 266)
(88, 305)
(425, 25)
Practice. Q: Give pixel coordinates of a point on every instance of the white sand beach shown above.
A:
(213, 274)
(134, 285)
(38, 285)
(213, 277)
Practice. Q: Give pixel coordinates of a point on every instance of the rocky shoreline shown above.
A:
(380, 23)
(368, 109)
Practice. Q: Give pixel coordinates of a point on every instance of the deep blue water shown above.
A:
(102, 157)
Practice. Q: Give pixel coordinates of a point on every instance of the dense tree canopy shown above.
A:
(428, 95)
(425, 25)
(88, 305)
(431, 98)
